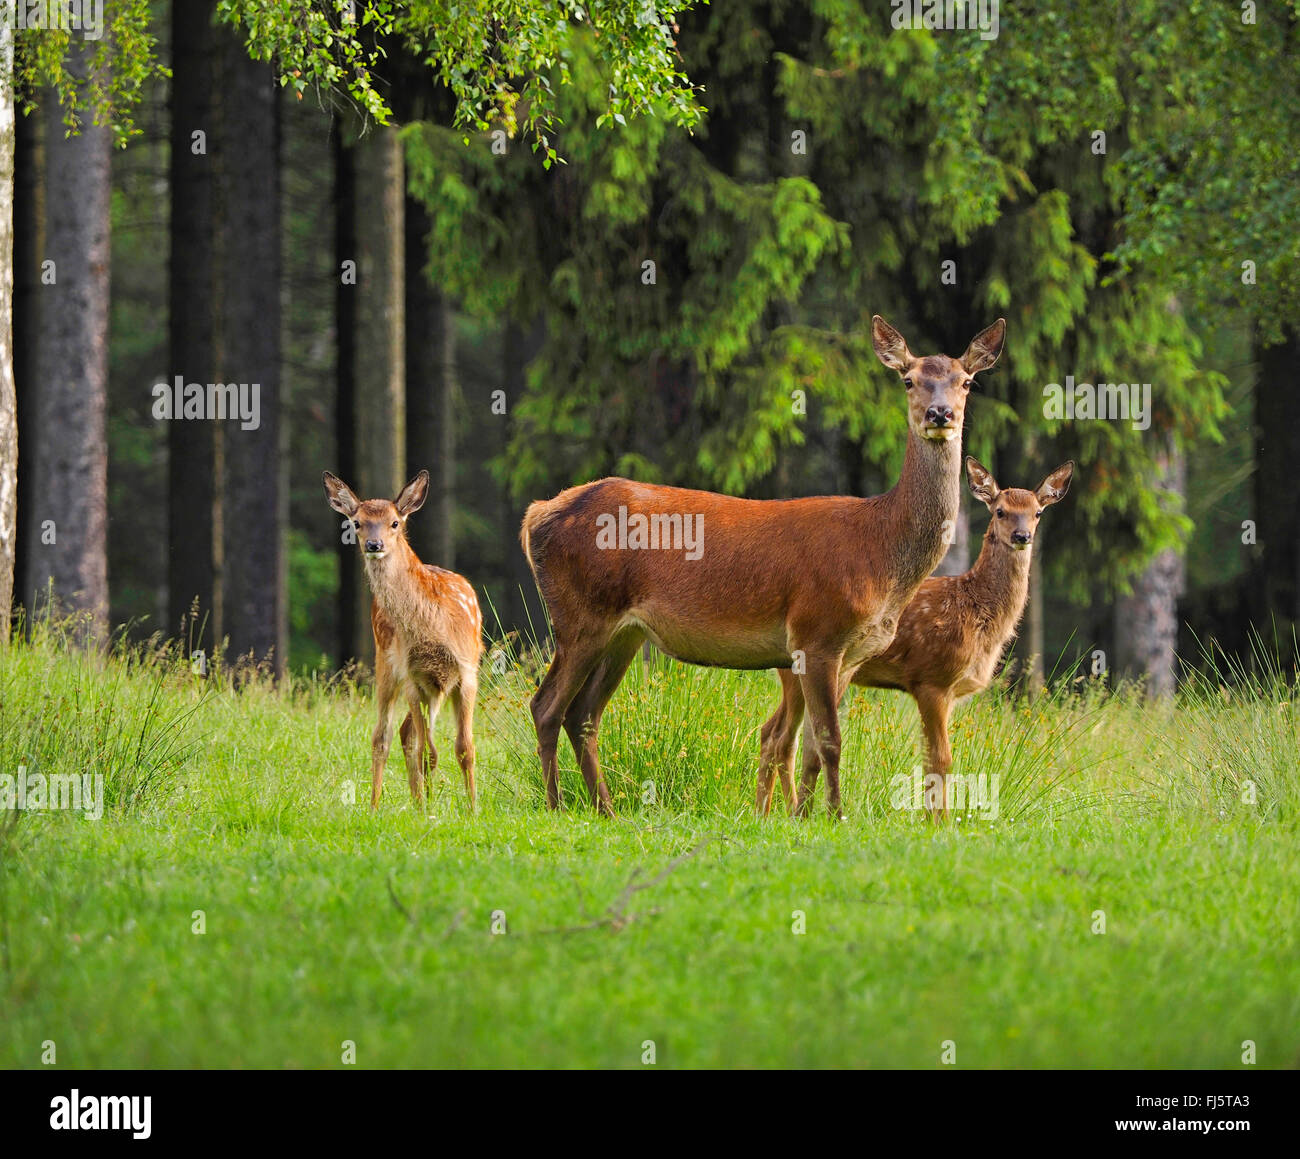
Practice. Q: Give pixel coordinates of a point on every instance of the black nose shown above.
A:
(374, 545)
(939, 416)
(1021, 537)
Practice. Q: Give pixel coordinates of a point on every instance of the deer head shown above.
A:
(1015, 511)
(937, 385)
(380, 524)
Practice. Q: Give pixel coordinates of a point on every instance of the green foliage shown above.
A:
(502, 61)
(769, 262)
(1212, 179)
(499, 60)
(573, 246)
(107, 80)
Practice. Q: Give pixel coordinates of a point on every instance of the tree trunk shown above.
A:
(29, 245)
(376, 343)
(1146, 621)
(1277, 485)
(430, 396)
(66, 535)
(8, 398)
(345, 328)
(523, 609)
(254, 492)
(191, 446)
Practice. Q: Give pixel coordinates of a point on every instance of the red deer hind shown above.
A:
(814, 584)
(950, 639)
(428, 636)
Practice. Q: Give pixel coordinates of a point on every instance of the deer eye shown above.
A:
(1037, 514)
(907, 381)
(1001, 514)
(394, 524)
(357, 524)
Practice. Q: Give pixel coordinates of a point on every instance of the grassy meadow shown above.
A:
(237, 905)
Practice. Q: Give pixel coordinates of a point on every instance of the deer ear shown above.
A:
(340, 495)
(889, 345)
(413, 495)
(1055, 485)
(982, 484)
(985, 347)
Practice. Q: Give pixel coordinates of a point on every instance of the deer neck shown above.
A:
(999, 582)
(392, 579)
(923, 506)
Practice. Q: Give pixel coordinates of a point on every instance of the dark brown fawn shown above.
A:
(817, 584)
(428, 636)
(949, 641)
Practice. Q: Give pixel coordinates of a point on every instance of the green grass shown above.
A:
(325, 924)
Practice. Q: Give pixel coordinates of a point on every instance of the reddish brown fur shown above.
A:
(949, 641)
(825, 577)
(428, 636)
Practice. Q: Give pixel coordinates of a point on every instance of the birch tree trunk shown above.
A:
(1146, 621)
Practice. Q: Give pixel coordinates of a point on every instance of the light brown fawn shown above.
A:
(950, 639)
(815, 583)
(428, 636)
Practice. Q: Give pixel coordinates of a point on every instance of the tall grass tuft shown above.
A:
(124, 713)
(1234, 747)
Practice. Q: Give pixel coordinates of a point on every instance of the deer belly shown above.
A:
(432, 666)
(759, 646)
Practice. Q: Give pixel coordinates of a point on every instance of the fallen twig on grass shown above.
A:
(410, 917)
(616, 916)
(397, 901)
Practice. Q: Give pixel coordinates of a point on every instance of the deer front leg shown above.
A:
(936, 706)
(418, 751)
(811, 768)
(385, 693)
(821, 690)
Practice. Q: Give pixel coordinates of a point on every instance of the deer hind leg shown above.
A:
(776, 756)
(410, 743)
(582, 719)
(936, 706)
(462, 701)
(822, 688)
(417, 743)
(430, 766)
(410, 748)
(573, 662)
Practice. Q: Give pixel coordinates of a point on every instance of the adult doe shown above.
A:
(949, 640)
(816, 585)
(428, 636)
